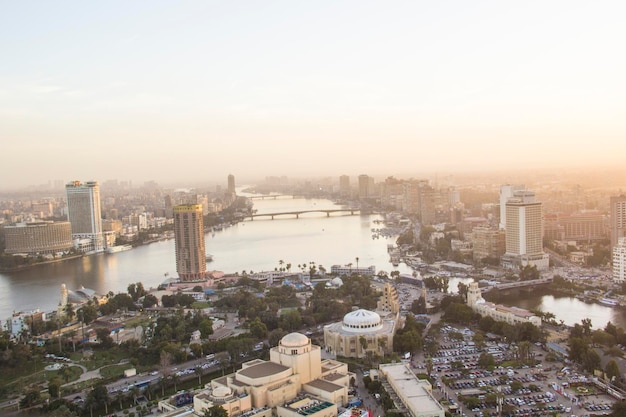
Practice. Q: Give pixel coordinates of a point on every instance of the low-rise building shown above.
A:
(498, 312)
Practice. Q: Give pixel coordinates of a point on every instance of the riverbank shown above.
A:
(37, 264)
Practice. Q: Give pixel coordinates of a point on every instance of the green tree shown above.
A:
(258, 329)
(216, 411)
(612, 370)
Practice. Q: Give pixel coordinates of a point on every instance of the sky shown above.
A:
(195, 90)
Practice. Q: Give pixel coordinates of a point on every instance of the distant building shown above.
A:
(349, 270)
(84, 213)
(38, 238)
(231, 183)
(618, 218)
(506, 192)
(344, 185)
(364, 186)
(488, 243)
(619, 261)
(510, 315)
(189, 242)
(524, 232)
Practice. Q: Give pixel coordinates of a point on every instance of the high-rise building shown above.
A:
(344, 185)
(524, 234)
(189, 242)
(84, 213)
(619, 261)
(506, 192)
(231, 183)
(44, 237)
(618, 218)
(364, 186)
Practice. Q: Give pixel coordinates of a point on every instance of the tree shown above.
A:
(363, 343)
(429, 365)
(216, 411)
(198, 371)
(54, 387)
(103, 335)
(528, 273)
(258, 329)
(149, 301)
(69, 311)
(612, 370)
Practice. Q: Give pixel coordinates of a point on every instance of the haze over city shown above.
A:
(195, 90)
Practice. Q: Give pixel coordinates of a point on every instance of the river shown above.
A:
(256, 245)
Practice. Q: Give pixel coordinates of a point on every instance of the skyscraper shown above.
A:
(618, 218)
(364, 186)
(524, 232)
(344, 185)
(84, 214)
(506, 192)
(231, 183)
(189, 238)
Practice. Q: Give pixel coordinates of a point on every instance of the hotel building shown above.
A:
(189, 242)
(84, 214)
(38, 238)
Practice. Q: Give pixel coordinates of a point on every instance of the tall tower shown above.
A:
(231, 183)
(618, 218)
(344, 185)
(189, 242)
(84, 213)
(473, 294)
(524, 230)
(364, 182)
(506, 192)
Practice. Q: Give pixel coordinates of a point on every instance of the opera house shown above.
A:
(363, 331)
(294, 381)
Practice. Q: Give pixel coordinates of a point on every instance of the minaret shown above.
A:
(473, 294)
(63, 301)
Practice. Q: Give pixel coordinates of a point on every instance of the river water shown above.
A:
(256, 245)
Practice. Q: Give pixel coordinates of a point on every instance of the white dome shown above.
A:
(362, 321)
(294, 340)
(221, 392)
(336, 282)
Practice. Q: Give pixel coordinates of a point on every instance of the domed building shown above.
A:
(362, 330)
(294, 375)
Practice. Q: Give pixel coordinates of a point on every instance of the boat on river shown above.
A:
(612, 302)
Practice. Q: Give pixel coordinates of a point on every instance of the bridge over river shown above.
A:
(298, 213)
(519, 284)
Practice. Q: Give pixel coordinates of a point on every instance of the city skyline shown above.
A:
(280, 88)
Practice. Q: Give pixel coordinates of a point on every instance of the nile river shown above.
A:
(256, 245)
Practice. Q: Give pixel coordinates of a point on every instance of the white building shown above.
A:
(506, 192)
(510, 315)
(84, 213)
(415, 394)
(349, 270)
(524, 232)
(619, 260)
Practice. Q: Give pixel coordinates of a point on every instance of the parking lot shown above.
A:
(539, 390)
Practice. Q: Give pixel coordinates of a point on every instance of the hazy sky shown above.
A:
(200, 89)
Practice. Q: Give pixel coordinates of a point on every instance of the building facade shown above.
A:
(510, 315)
(619, 261)
(38, 238)
(524, 232)
(189, 242)
(488, 243)
(618, 218)
(84, 213)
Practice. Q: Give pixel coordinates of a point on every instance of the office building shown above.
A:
(38, 238)
(506, 192)
(231, 183)
(618, 218)
(189, 242)
(619, 260)
(524, 234)
(488, 242)
(364, 186)
(84, 214)
(344, 185)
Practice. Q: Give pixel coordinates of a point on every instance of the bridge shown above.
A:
(521, 284)
(269, 196)
(298, 213)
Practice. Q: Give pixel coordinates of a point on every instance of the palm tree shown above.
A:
(357, 263)
(382, 343)
(198, 371)
(363, 342)
(350, 266)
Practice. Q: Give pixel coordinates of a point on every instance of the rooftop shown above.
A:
(263, 369)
